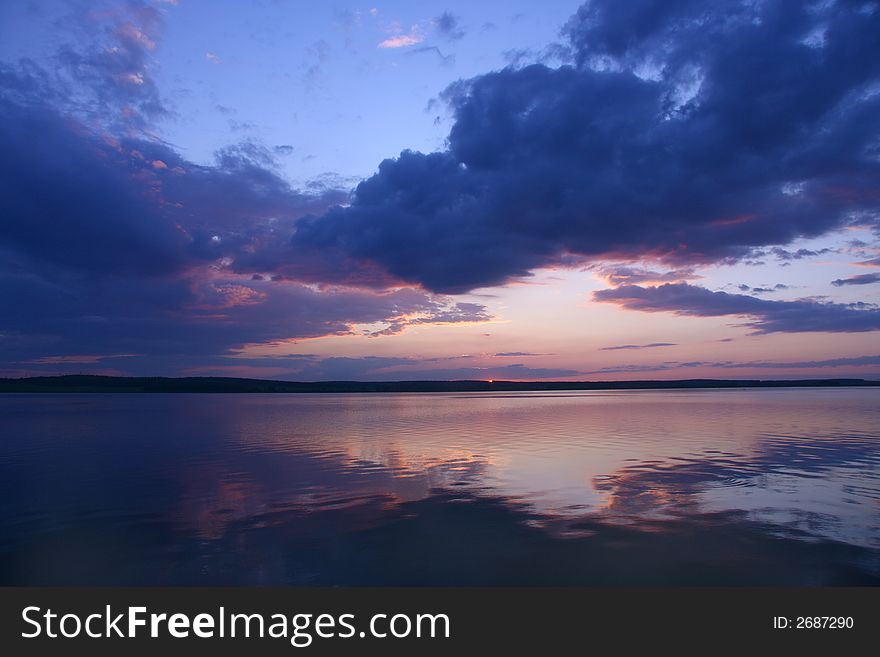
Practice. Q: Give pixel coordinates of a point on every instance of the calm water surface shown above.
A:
(724, 487)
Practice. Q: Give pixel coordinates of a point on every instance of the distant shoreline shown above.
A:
(113, 384)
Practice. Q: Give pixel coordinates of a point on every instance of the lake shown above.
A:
(623, 488)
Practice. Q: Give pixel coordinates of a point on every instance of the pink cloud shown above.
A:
(404, 40)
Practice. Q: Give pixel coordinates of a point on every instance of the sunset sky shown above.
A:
(310, 191)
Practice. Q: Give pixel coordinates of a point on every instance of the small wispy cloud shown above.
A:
(623, 275)
(213, 58)
(784, 255)
(861, 279)
(766, 316)
(399, 38)
(857, 361)
(449, 26)
(78, 359)
(638, 346)
(447, 60)
(403, 40)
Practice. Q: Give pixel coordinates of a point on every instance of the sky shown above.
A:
(440, 190)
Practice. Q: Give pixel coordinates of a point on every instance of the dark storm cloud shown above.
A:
(59, 312)
(860, 279)
(105, 204)
(767, 316)
(676, 133)
(64, 199)
(115, 244)
(683, 132)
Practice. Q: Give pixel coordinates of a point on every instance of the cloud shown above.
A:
(80, 359)
(373, 368)
(682, 134)
(672, 135)
(318, 54)
(861, 279)
(621, 275)
(123, 246)
(784, 255)
(448, 25)
(414, 37)
(801, 315)
(126, 205)
(213, 58)
(856, 361)
(438, 313)
(185, 320)
(109, 68)
(516, 371)
(762, 290)
(638, 346)
(446, 60)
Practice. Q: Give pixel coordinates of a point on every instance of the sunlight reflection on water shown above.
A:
(243, 488)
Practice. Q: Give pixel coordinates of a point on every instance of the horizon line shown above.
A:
(96, 383)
